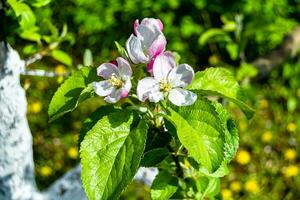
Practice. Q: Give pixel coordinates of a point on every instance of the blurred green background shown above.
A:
(228, 33)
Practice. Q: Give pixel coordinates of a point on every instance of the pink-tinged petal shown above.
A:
(124, 94)
(126, 88)
(162, 65)
(103, 88)
(160, 24)
(124, 68)
(182, 97)
(145, 87)
(107, 69)
(147, 35)
(155, 23)
(114, 96)
(135, 50)
(158, 46)
(181, 76)
(150, 66)
(135, 26)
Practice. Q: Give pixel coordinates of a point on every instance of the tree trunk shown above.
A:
(17, 181)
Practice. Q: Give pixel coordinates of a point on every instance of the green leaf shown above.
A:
(154, 156)
(213, 187)
(215, 35)
(246, 70)
(233, 50)
(93, 119)
(27, 17)
(73, 91)
(163, 186)
(62, 57)
(231, 143)
(40, 3)
(30, 34)
(122, 51)
(110, 155)
(200, 131)
(220, 81)
(231, 132)
(30, 49)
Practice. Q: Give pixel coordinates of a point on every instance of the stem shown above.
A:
(179, 171)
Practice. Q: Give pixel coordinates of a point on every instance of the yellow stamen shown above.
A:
(165, 86)
(116, 82)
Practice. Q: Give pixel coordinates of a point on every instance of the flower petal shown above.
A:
(126, 88)
(135, 50)
(114, 96)
(182, 97)
(156, 96)
(153, 22)
(150, 66)
(147, 35)
(181, 76)
(103, 88)
(162, 65)
(136, 24)
(158, 46)
(124, 67)
(145, 87)
(107, 69)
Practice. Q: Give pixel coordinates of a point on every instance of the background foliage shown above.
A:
(205, 33)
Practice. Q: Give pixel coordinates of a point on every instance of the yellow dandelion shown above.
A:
(235, 186)
(60, 69)
(252, 186)
(35, 107)
(243, 157)
(263, 103)
(213, 60)
(290, 154)
(291, 171)
(45, 171)
(72, 152)
(226, 194)
(243, 125)
(291, 127)
(267, 136)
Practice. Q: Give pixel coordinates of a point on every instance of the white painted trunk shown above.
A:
(17, 181)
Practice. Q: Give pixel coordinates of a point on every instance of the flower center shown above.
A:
(165, 86)
(115, 81)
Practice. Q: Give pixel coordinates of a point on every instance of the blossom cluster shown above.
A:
(147, 45)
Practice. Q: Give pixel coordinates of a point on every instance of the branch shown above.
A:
(40, 72)
(34, 58)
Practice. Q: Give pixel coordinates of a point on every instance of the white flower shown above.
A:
(117, 82)
(168, 79)
(147, 41)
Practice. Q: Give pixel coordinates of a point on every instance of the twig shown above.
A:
(40, 72)
(34, 58)
(176, 160)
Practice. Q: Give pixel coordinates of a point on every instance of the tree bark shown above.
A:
(17, 180)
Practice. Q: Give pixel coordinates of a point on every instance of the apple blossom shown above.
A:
(117, 83)
(168, 79)
(147, 42)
